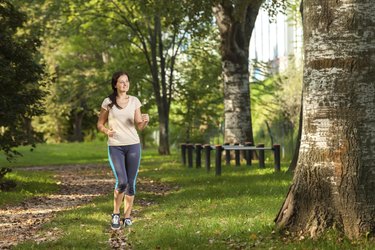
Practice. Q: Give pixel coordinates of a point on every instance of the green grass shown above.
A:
(233, 211)
(209, 212)
(29, 184)
(58, 154)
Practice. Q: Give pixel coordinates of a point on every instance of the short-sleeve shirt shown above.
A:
(122, 122)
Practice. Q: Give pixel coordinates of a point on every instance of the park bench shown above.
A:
(187, 150)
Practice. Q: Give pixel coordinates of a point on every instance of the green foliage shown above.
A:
(20, 80)
(198, 112)
(84, 42)
(275, 95)
(276, 100)
(76, 57)
(273, 7)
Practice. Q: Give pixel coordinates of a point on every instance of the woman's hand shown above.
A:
(141, 119)
(110, 132)
(145, 119)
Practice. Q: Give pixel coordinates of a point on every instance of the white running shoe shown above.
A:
(127, 222)
(115, 223)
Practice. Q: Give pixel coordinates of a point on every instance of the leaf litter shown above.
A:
(78, 185)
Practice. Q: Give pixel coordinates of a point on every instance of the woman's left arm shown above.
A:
(140, 119)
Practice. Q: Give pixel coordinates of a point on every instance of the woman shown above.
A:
(122, 113)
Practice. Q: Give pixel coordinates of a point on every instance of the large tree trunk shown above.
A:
(236, 23)
(334, 180)
(238, 125)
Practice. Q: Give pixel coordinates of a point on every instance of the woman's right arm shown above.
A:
(103, 117)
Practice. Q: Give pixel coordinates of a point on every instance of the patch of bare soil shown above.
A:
(78, 186)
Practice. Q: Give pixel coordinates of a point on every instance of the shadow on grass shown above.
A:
(208, 211)
(28, 184)
(80, 228)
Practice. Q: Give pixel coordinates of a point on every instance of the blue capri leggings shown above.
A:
(124, 161)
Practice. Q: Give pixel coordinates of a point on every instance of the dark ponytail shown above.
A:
(113, 96)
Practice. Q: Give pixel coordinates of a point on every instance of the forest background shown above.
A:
(193, 78)
(80, 44)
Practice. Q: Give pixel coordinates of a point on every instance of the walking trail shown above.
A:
(78, 185)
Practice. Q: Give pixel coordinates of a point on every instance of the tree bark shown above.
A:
(163, 112)
(77, 126)
(237, 125)
(334, 182)
(236, 23)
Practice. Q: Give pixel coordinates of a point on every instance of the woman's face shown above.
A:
(123, 83)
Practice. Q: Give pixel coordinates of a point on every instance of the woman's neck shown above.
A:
(122, 95)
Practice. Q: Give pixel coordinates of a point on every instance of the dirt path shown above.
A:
(78, 186)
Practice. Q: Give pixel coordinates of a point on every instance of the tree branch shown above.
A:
(135, 28)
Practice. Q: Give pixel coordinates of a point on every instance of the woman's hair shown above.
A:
(113, 96)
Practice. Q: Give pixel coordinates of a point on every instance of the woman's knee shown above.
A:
(130, 190)
(121, 187)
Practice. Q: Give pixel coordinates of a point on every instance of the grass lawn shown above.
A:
(233, 211)
(28, 185)
(59, 154)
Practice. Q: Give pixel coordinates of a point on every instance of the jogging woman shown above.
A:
(119, 116)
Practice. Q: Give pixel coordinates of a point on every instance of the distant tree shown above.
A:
(20, 80)
(81, 53)
(158, 30)
(79, 83)
(199, 93)
(236, 21)
(333, 184)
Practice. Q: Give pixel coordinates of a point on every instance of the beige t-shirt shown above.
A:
(122, 122)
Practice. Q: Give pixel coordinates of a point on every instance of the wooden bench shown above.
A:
(188, 149)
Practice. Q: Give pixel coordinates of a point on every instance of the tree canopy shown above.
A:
(20, 80)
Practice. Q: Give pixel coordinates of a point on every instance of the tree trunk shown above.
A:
(163, 130)
(77, 126)
(236, 23)
(293, 164)
(143, 139)
(238, 125)
(159, 84)
(334, 185)
(270, 132)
